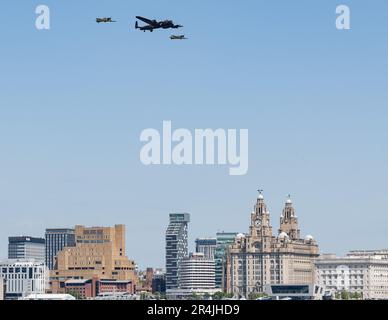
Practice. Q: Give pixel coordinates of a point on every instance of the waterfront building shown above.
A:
(91, 288)
(197, 272)
(207, 246)
(196, 277)
(360, 272)
(99, 252)
(295, 292)
(2, 288)
(23, 277)
(56, 240)
(259, 258)
(24, 247)
(224, 239)
(176, 246)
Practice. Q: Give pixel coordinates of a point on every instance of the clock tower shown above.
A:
(260, 224)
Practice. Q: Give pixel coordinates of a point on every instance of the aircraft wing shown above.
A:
(148, 21)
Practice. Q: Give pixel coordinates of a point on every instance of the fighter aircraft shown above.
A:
(153, 24)
(182, 37)
(104, 20)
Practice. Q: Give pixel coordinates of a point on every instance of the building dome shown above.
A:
(261, 197)
(309, 237)
(289, 201)
(283, 235)
(240, 236)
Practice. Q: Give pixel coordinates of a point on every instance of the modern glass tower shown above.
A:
(224, 239)
(26, 248)
(176, 247)
(206, 246)
(56, 240)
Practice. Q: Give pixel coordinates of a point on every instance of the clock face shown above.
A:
(258, 222)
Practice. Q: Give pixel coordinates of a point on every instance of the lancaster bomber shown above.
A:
(153, 24)
(104, 20)
(182, 37)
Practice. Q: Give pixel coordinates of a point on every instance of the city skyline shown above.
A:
(313, 98)
(192, 238)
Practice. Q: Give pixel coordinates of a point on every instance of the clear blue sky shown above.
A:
(74, 100)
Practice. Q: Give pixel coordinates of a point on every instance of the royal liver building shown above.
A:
(260, 258)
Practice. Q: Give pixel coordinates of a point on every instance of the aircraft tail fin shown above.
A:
(136, 25)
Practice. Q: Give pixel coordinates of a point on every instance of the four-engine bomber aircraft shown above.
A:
(104, 20)
(153, 24)
(182, 37)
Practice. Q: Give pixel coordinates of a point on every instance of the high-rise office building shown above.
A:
(206, 246)
(99, 253)
(24, 277)
(26, 248)
(260, 258)
(223, 239)
(176, 246)
(56, 240)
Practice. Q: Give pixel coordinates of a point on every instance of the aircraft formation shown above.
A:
(150, 25)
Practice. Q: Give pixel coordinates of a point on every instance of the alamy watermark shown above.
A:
(343, 20)
(198, 147)
(42, 21)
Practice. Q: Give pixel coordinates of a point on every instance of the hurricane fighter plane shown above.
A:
(182, 37)
(154, 24)
(104, 20)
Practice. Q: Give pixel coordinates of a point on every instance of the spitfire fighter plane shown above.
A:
(153, 24)
(104, 20)
(182, 37)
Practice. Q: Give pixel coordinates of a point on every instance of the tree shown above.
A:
(345, 295)
(206, 296)
(194, 296)
(218, 295)
(256, 295)
(356, 296)
(75, 294)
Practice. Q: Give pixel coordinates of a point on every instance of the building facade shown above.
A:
(2, 288)
(115, 286)
(197, 272)
(99, 253)
(56, 240)
(196, 277)
(260, 258)
(144, 283)
(81, 288)
(159, 281)
(176, 246)
(224, 240)
(24, 277)
(362, 272)
(23, 247)
(207, 246)
(91, 288)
